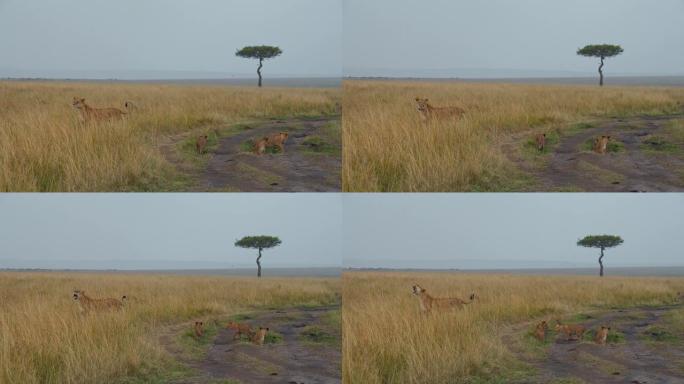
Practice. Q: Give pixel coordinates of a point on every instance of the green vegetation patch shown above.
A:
(196, 346)
(530, 146)
(273, 337)
(656, 143)
(658, 333)
(319, 335)
(317, 144)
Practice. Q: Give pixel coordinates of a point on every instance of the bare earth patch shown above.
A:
(648, 159)
(640, 356)
(231, 167)
(293, 357)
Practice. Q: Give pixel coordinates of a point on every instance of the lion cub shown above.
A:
(601, 144)
(260, 145)
(240, 329)
(259, 336)
(199, 329)
(201, 143)
(540, 139)
(428, 302)
(540, 331)
(570, 330)
(602, 335)
(89, 113)
(278, 140)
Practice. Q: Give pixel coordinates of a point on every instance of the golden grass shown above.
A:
(388, 148)
(44, 338)
(386, 340)
(43, 147)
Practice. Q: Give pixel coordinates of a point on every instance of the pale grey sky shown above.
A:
(510, 38)
(157, 38)
(506, 230)
(167, 231)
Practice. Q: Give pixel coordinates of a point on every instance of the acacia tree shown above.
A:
(260, 243)
(602, 242)
(261, 52)
(602, 51)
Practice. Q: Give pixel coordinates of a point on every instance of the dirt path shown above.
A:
(630, 170)
(292, 360)
(293, 171)
(638, 359)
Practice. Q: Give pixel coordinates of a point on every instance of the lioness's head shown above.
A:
(422, 104)
(78, 103)
(77, 294)
(283, 136)
(417, 289)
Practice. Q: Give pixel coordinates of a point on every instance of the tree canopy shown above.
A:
(600, 241)
(260, 52)
(600, 50)
(258, 242)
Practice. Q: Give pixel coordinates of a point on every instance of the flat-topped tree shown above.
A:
(260, 243)
(261, 52)
(602, 242)
(602, 51)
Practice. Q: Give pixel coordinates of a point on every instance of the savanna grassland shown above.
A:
(45, 339)
(388, 148)
(44, 147)
(387, 340)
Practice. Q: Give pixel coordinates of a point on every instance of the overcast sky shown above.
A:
(167, 231)
(154, 38)
(505, 230)
(489, 38)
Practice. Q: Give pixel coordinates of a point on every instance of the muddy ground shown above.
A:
(641, 351)
(307, 351)
(231, 167)
(641, 164)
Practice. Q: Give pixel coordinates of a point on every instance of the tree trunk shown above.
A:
(261, 64)
(601, 72)
(601, 262)
(259, 264)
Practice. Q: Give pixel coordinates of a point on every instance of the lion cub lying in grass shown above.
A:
(428, 302)
(257, 337)
(275, 140)
(570, 330)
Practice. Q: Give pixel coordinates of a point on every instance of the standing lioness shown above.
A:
(428, 112)
(428, 302)
(87, 303)
(89, 113)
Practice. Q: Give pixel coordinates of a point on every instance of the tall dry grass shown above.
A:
(388, 148)
(43, 147)
(387, 340)
(44, 338)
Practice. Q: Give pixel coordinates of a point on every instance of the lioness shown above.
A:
(240, 329)
(541, 141)
(199, 329)
(601, 144)
(570, 330)
(89, 113)
(427, 302)
(260, 145)
(540, 331)
(428, 112)
(259, 336)
(86, 303)
(602, 335)
(201, 143)
(278, 140)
